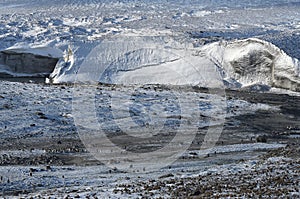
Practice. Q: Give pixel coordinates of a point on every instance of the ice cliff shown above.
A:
(138, 61)
(253, 61)
(25, 61)
(163, 60)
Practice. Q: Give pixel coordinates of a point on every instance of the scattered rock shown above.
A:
(41, 115)
(32, 170)
(166, 176)
(262, 139)
(6, 106)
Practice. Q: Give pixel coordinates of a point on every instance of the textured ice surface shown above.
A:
(254, 61)
(160, 60)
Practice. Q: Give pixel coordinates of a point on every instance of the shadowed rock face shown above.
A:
(15, 64)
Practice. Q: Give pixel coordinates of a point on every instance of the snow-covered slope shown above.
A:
(157, 60)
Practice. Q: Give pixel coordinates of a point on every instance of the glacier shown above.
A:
(83, 25)
(162, 60)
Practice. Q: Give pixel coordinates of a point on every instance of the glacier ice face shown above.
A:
(253, 61)
(163, 60)
(138, 60)
(68, 66)
(28, 61)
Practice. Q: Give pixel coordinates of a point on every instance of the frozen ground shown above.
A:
(41, 153)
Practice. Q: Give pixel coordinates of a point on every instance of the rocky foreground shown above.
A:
(275, 175)
(41, 154)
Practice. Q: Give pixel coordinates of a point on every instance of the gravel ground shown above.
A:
(274, 175)
(41, 154)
